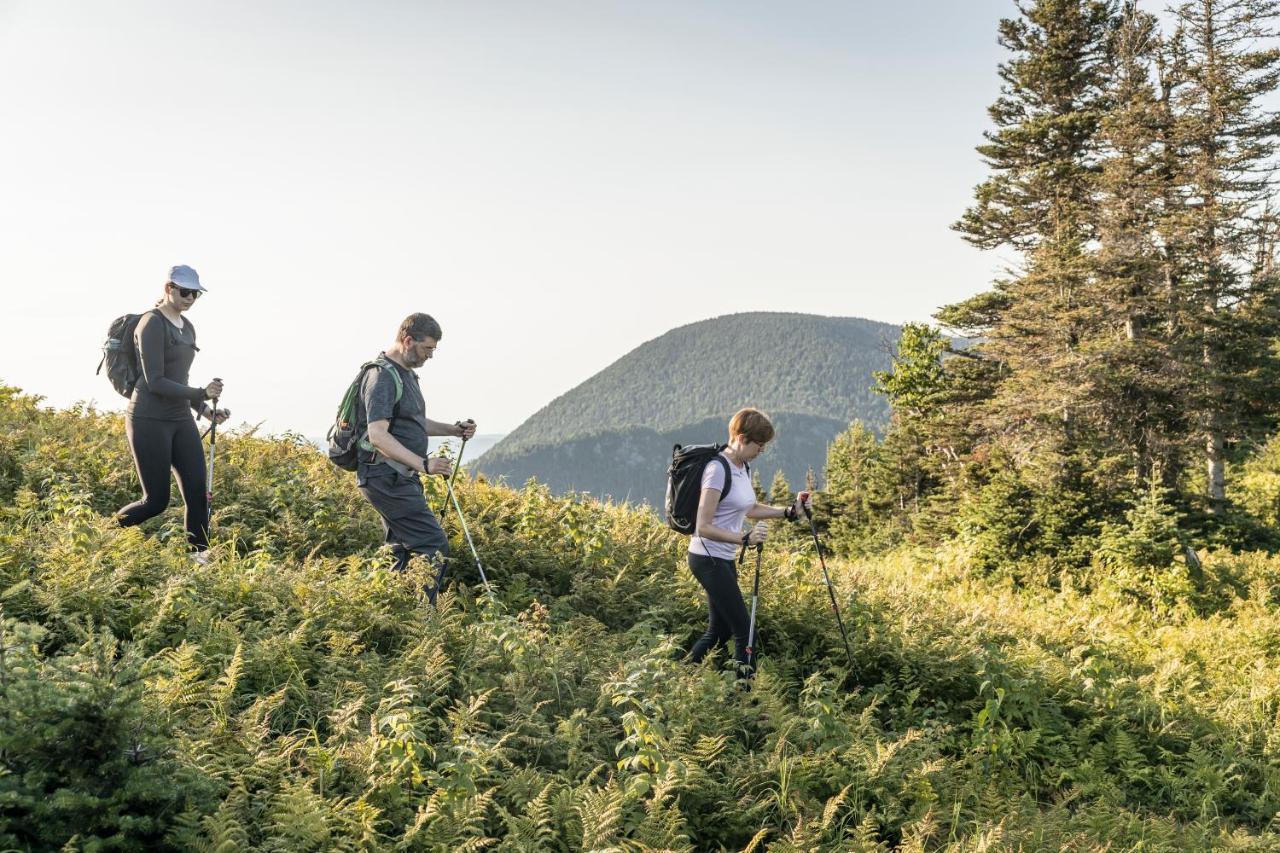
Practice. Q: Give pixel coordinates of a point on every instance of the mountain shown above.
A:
(476, 447)
(612, 435)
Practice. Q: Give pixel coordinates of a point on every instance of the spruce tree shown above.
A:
(1227, 295)
(1134, 382)
(860, 492)
(780, 493)
(1040, 201)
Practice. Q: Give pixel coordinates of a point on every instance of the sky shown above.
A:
(556, 183)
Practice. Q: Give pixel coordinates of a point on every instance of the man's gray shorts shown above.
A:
(410, 525)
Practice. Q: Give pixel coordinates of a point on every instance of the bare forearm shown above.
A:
(718, 534)
(440, 428)
(387, 444)
(762, 511)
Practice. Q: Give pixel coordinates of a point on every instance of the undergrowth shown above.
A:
(294, 694)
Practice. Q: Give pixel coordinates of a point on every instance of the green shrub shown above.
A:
(1140, 556)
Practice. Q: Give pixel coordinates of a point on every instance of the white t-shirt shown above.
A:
(731, 511)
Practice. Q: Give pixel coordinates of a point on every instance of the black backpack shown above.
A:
(684, 483)
(120, 356)
(349, 435)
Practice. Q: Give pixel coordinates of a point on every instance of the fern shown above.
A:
(534, 830)
(600, 812)
(223, 690)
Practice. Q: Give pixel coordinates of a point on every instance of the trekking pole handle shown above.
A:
(213, 404)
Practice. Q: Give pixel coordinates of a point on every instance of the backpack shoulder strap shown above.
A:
(728, 476)
(384, 363)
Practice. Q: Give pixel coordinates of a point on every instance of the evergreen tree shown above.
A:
(780, 493)
(1227, 289)
(1040, 201)
(934, 393)
(1134, 381)
(851, 472)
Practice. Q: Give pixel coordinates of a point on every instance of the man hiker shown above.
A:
(398, 427)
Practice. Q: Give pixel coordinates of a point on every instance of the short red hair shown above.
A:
(751, 424)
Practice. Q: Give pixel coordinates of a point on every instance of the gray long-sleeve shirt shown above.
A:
(165, 353)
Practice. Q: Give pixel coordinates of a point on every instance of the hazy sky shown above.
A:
(556, 182)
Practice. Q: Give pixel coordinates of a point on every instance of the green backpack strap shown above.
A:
(384, 363)
(380, 363)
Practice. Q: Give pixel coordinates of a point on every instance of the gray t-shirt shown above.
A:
(165, 353)
(408, 420)
(731, 510)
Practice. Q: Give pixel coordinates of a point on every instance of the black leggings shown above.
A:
(727, 612)
(158, 446)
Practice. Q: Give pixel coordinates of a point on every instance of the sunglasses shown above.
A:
(186, 293)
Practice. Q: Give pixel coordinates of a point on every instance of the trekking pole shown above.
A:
(467, 533)
(755, 597)
(213, 446)
(457, 464)
(827, 577)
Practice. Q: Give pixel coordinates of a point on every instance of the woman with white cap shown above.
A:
(162, 434)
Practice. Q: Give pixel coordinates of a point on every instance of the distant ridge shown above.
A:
(612, 434)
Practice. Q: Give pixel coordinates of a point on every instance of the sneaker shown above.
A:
(200, 558)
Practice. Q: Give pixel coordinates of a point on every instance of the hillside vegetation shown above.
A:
(612, 434)
(295, 695)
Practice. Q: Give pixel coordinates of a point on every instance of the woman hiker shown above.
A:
(718, 536)
(162, 433)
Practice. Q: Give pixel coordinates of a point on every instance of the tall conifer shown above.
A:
(1134, 383)
(1040, 201)
(1225, 142)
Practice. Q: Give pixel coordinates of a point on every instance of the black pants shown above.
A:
(159, 446)
(409, 525)
(727, 612)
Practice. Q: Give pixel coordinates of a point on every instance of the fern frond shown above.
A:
(757, 840)
(600, 811)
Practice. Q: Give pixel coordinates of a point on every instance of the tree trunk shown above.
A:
(1216, 470)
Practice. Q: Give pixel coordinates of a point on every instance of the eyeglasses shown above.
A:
(186, 293)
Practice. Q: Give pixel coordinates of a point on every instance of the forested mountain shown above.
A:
(612, 435)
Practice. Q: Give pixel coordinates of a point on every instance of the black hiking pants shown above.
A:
(727, 612)
(159, 446)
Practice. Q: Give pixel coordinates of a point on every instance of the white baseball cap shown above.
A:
(184, 276)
